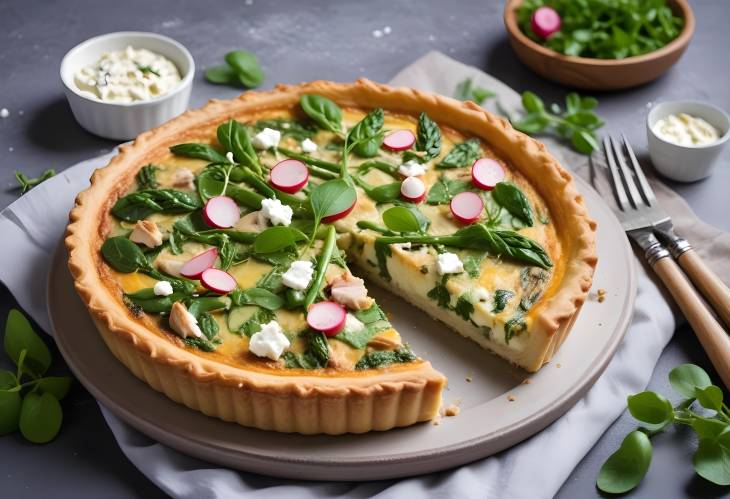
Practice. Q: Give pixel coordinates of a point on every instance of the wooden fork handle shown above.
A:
(712, 336)
(711, 287)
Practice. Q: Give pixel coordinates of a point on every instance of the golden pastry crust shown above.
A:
(344, 401)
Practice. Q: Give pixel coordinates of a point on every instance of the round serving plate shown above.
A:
(498, 410)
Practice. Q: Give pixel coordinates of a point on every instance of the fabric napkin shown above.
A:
(32, 227)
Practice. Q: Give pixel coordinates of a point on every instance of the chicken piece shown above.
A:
(183, 178)
(169, 266)
(251, 222)
(350, 291)
(146, 232)
(183, 322)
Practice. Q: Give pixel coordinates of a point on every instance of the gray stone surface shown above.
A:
(297, 41)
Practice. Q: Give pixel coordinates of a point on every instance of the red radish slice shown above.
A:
(289, 175)
(467, 207)
(486, 173)
(413, 189)
(221, 212)
(198, 264)
(400, 140)
(326, 316)
(332, 218)
(545, 21)
(218, 281)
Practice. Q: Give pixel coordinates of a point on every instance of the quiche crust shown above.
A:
(356, 401)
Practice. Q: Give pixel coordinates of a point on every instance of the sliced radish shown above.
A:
(327, 316)
(545, 21)
(331, 218)
(218, 281)
(193, 268)
(486, 173)
(289, 175)
(400, 140)
(467, 207)
(221, 212)
(413, 189)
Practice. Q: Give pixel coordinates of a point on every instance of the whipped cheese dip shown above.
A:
(128, 75)
(685, 130)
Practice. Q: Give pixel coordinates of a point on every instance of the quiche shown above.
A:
(225, 256)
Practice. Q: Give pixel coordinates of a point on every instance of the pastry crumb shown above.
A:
(558, 365)
(511, 398)
(452, 410)
(527, 381)
(601, 295)
(468, 378)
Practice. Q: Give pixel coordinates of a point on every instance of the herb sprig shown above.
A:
(626, 467)
(241, 69)
(26, 183)
(467, 91)
(29, 401)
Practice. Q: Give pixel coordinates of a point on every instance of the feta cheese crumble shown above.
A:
(4, 113)
(308, 145)
(269, 342)
(274, 211)
(266, 139)
(353, 324)
(411, 169)
(298, 275)
(162, 288)
(449, 263)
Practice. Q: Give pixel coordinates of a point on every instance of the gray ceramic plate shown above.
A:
(488, 421)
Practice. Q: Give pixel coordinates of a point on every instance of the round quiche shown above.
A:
(225, 256)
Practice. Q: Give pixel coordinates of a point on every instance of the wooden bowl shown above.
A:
(598, 74)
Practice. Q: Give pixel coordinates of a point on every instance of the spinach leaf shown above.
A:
(374, 320)
(440, 293)
(256, 296)
(316, 355)
(277, 238)
(222, 74)
(472, 265)
(401, 219)
(382, 253)
(383, 358)
(234, 138)
(199, 151)
(444, 189)
(209, 186)
(288, 128)
(210, 340)
(464, 307)
(123, 255)
(147, 177)
(428, 140)
(514, 201)
(368, 134)
(462, 155)
(514, 326)
(253, 324)
(246, 66)
(466, 90)
(323, 112)
(331, 197)
(26, 183)
(148, 301)
(386, 193)
(501, 297)
(141, 204)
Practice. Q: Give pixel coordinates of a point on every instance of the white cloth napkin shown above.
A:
(30, 231)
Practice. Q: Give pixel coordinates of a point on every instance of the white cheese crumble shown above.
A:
(308, 145)
(128, 75)
(266, 138)
(4, 113)
(162, 288)
(449, 263)
(269, 342)
(353, 324)
(274, 211)
(411, 169)
(298, 275)
(229, 157)
(685, 130)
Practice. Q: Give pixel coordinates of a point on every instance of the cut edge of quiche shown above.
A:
(356, 401)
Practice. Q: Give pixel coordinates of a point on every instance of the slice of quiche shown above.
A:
(222, 255)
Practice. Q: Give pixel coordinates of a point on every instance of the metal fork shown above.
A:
(643, 219)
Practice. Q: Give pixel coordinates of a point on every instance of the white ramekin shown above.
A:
(124, 121)
(686, 163)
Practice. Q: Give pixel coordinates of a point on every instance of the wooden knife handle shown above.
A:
(712, 336)
(711, 287)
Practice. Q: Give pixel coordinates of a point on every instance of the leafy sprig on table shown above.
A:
(467, 91)
(626, 467)
(577, 123)
(26, 183)
(241, 69)
(29, 401)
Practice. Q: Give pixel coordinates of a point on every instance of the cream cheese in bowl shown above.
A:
(128, 75)
(685, 130)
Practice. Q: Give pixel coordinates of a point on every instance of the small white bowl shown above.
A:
(686, 163)
(124, 121)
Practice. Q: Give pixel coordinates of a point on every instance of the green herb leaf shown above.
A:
(462, 155)
(514, 201)
(687, 378)
(147, 177)
(712, 459)
(323, 111)
(467, 91)
(385, 193)
(653, 410)
(501, 297)
(626, 467)
(428, 138)
(222, 75)
(584, 141)
(199, 151)
(374, 320)
(123, 255)
(315, 357)
(472, 265)
(401, 219)
(368, 134)
(464, 307)
(257, 296)
(141, 204)
(440, 293)
(27, 183)
(382, 358)
(710, 397)
(532, 103)
(234, 138)
(708, 428)
(10, 404)
(19, 337)
(331, 197)
(444, 189)
(58, 386)
(246, 66)
(277, 238)
(40, 417)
